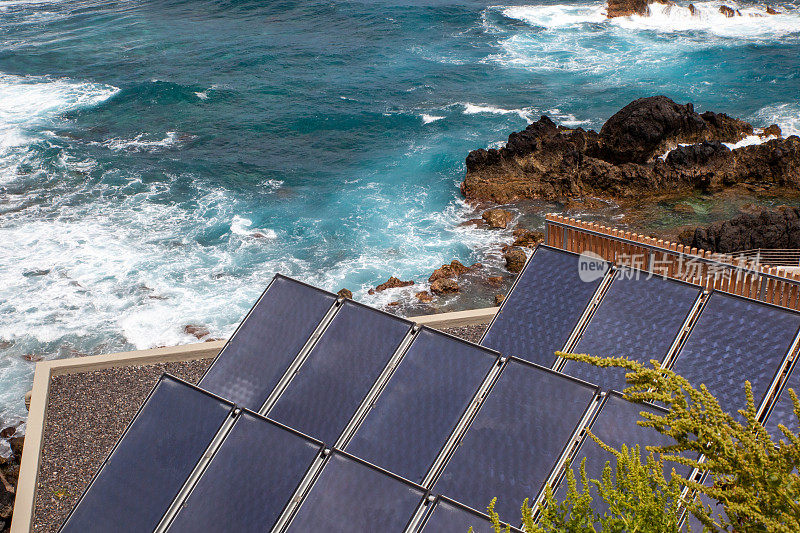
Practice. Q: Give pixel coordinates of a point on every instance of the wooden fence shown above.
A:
(723, 272)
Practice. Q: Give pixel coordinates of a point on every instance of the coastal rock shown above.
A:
(494, 281)
(196, 330)
(515, 259)
(16, 444)
(773, 130)
(444, 286)
(626, 8)
(498, 299)
(772, 11)
(454, 269)
(527, 238)
(626, 159)
(477, 222)
(391, 283)
(345, 293)
(424, 296)
(729, 11)
(768, 229)
(497, 218)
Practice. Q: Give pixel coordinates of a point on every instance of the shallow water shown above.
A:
(159, 161)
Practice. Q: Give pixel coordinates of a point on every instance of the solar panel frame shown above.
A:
(98, 472)
(580, 423)
(792, 381)
(333, 452)
(400, 346)
(262, 418)
(466, 409)
(763, 403)
(509, 297)
(619, 273)
(311, 338)
(461, 507)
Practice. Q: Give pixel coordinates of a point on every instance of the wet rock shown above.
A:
(477, 222)
(198, 331)
(497, 218)
(692, 10)
(36, 272)
(391, 283)
(515, 259)
(626, 8)
(778, 228)
(494, 281)
(727, 11)
(527, 238)
(498, 299)
(624, 160)
(32, 357)
(772, 11)
(773, 130)
(424, 296)
(393, 304)
(5, 344)
(453, 270)
(345, 293)
(444, 286)
(28, 397)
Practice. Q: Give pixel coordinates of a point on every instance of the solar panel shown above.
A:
(737, 339)
(340, 371)
(516, 438)
(351, 495)
(543, 308)
(449, 516)
(716, 510)
(267, 341)
(783, 410)
(421, 404)
(150, 463)
(250, 479)
(615, 425)
(638, 318)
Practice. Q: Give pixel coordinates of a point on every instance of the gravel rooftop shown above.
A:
(86, 415)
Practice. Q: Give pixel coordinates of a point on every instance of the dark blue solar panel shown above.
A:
(151, 462)
(734, 340)
(616, 425)
(266, 343)
(516, 438)
(250, 479)
(783, 410)
(421, 404)
(448, 517)
(717, 509)
(350, 496)
(540, 313)
(340, 371)
(638, 318)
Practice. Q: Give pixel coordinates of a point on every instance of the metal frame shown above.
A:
(477, 396)
(778, 384)
(562, 362)
(297, 365)
(178, 503)
(163, 377)
(430, 507)
(250, 312)
(597, 293)
(290, 513)
(434, 478)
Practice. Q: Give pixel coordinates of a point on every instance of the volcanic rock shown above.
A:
(527, 238)
(728, 11)
(424, 296)
(345, 293)
(444, 286)
(768, 229)
(494, 280)
(515, 259)
(390, 283)
(772, 11)
(498, 299)
(773, 130)
(626, 159)
(625, 8)
(197, 331)
(453, 270)
(497, 218)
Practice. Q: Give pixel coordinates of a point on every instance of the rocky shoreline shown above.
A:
(9, 474)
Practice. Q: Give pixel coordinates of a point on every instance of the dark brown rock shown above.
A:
(767, 229)
(626, 8)
(498, 299)
(32, 357)
(624, 160)
(494, 281)
(345, 293)
(515, 259)
(527, 238)
(196, 330)
(391, 283)
(16, 444)
(727, 11)
(773, 130)
(424, 296)
(692, 9)
(8, 432)
(497, 218)
(453, 270)
(772, 11)
(477, 222)
(393, 304)
(444, 286)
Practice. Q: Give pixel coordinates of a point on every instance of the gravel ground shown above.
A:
(86, 415)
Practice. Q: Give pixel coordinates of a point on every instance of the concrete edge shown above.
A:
(25, 499)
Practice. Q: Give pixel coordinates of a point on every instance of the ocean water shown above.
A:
(159, 161)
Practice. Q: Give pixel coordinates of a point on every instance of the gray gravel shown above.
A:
(86, 415)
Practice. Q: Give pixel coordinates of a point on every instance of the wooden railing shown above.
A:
(723, 272)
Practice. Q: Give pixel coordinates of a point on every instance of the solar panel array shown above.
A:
(322, 413)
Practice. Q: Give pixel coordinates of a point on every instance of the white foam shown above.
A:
(750, 140)
(242, 226)
(202, 95)
(140, 143)
(427, 119)
(474, 109)
(557, 16)
(785, 115)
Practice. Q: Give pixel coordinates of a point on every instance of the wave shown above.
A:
(141, 144)
(786, 116)
(473, 109)
(557, 16)
(427, 119)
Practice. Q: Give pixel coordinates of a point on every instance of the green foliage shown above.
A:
(752, 476)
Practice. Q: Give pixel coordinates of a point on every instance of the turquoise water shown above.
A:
(159, 161)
